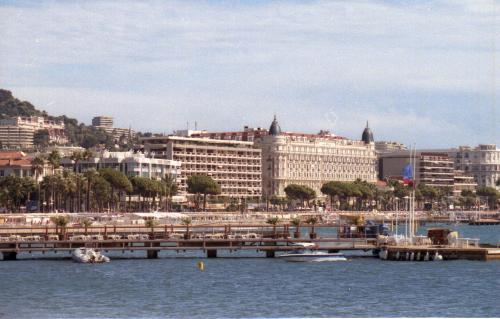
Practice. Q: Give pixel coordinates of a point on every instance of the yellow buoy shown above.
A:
(201, 265)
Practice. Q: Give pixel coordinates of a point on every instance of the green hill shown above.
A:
(77, 133)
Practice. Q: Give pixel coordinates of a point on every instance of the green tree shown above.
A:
(202, 184)
(274, 221)
(61, 222)
(102, 192)
(366, 192)
(152, 223)
(118, 182)
(333, 189)
(90, 176)
(170, 185)
(296, 223)
(467, 198)
(280, 202)
(41, 138)
(37, 165)
(312, 221)
(187, 221)
(491, 194)
(300, 192)
(86, 224)
(16, 191)
(54, 160)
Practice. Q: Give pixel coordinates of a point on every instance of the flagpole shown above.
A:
(413, 193)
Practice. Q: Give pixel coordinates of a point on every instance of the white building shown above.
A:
(482, 162)
(389, 147)
(234, 165)
(18, 132)
(129, 163)
(313, 159)
(105, 123)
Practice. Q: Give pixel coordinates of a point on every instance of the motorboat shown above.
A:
(89, 256)
(305, 253)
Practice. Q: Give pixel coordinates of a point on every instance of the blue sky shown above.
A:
(424, 72)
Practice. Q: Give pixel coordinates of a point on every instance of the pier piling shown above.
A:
(152, 254)
(9, 255)
(212, 253)
(270, 254)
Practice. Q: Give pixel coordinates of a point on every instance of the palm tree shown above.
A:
(37, 165)
(296, 222)
(90, 175)
(61, 222)
(152, 223)
(76, 157)
(54, 160)
(312, 221)
(86, 223)
(170, 189)
(273, 221)
(186, 221)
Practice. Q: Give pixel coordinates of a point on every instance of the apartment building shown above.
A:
(103, 121)
(18, 132)
(129, 163)
(482, 162)
(119, 134)
(234, 165)
(389, 147)
(463, 181)
(431, 168)
(313, 159)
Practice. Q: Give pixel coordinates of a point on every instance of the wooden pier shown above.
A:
(481, 222)
(418, 253)
(10, 249)
(208, 239)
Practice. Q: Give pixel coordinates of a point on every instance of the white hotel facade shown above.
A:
(313, 159)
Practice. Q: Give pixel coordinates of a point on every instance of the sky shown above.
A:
(421, 72)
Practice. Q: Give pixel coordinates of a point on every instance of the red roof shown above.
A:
(6, 155)
(21, 162)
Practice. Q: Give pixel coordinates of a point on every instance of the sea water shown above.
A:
(174, 287)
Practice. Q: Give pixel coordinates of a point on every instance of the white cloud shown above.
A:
(158, 64)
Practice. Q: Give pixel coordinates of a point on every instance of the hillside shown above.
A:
(10, 106)
(77, 133)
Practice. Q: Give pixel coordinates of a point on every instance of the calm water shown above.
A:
(252, 287)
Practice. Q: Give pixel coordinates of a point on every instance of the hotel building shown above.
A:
(18, 132)
(313, 159)
(234, 165)
(249, 134)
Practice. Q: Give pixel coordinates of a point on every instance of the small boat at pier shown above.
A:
(304, 253)
(89, 256)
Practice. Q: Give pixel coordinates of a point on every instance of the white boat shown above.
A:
(304, 253)
(85, 255)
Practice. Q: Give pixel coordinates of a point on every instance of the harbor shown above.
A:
(264, 240)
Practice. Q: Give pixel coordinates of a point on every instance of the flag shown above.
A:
(408, 175)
